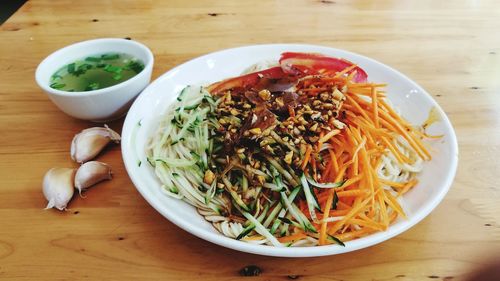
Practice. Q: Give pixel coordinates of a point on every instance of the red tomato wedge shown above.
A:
(308, 63)
(292, 66)
(247, 81)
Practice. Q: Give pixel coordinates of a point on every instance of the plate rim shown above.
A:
(266, 250)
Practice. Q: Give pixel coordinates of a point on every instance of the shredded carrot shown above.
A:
(293, 237)
(351, 76)
(326, 211)
(375, 106)
(384, 218)
(336, 142)
(368, 93)
(352, 213)
(322, 197)
(367, 85)
(419, 148)
(399, 156)
(367, 223)
(313, 166)
(392, 183)
(396, 123)
(393, 113)
(356, 154)
(358, 148)
(351, 181)
(392, 217)
(314, 90)
(354, 234)
(306, 157)
(369, 219)
(407, 187)
(330, 134)
(338, 213)
(333, 160)
(351, 193)
(391, 201)
(345, 70)
(320, 143)
(357, 107)
(326, 171)
(342, 206)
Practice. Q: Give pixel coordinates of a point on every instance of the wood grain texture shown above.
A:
(451, 48)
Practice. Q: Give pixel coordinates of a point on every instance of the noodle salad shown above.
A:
(304, 153)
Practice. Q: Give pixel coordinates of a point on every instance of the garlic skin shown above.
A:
(89, 142)
(90, 173)
(58, 187)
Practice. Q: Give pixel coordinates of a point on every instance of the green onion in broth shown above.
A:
(96, 72)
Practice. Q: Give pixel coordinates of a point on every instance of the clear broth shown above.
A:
(96, 72)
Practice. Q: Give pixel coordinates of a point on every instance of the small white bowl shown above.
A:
(99, 105)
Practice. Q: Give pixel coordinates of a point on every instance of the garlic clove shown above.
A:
(89, 142)
(90, 173)
(58, 187)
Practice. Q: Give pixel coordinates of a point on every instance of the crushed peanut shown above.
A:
(209, 177)
(288, 157)
(265, 95)
(255, 131)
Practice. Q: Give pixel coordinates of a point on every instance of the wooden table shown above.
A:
(452, 48)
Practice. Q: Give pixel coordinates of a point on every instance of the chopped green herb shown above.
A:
(85, 66)
(92, 86)
(56, 76)
(79, 72)
(93, 59)
(112, 68)
(56, 85)
(110, 56)
(135, 66)
(71, 68)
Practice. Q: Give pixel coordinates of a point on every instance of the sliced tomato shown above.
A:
(300, 64)
(247, 81)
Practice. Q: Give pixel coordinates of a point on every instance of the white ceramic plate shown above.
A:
(413, 101)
